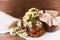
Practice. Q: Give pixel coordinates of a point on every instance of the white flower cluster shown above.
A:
(28, 17)
(22, 33)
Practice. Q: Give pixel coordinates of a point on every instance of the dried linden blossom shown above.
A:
(30, 17)
(22, 33)
(13, 30)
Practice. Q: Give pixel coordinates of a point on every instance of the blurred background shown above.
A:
(17, 8)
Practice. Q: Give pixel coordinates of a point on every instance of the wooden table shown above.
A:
(17, 8)
(7, 36)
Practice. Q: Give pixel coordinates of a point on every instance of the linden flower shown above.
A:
(33, 9)
(25, 23)
(28, 13)
(26, 18)
(30, 24)
(22, 33)
(30, 17)
(38, 23)
(12, 31)
(35, 13)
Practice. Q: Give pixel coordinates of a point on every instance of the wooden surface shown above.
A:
(17, 8)
(7, 36)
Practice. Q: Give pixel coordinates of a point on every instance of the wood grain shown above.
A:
(7, 36)
(17, 8)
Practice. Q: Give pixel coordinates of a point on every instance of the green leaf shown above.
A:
(20, 32)
(17, 27)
